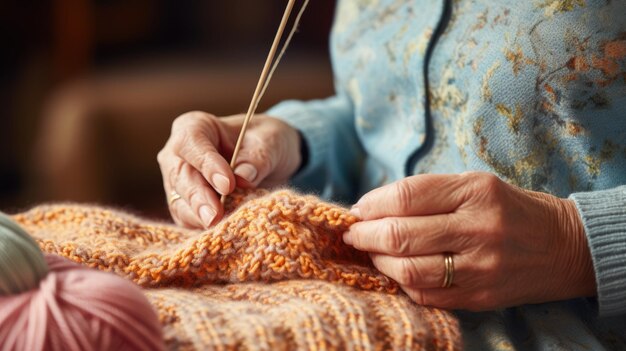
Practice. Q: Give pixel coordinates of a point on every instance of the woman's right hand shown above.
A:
(195, 162)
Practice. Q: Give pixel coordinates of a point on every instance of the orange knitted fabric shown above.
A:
(274, 274)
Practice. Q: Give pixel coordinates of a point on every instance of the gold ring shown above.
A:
(449, 276)
(174, 196)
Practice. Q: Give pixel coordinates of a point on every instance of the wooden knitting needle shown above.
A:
(283, 50)
(266, 75)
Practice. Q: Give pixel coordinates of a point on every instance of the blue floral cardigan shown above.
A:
(531, 90)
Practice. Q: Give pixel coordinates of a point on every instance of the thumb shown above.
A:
(270, 152)
(255, 162)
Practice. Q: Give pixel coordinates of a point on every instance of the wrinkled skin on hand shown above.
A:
(511, 246)
(195, 162)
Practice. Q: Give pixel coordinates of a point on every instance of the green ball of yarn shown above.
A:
(22, 264)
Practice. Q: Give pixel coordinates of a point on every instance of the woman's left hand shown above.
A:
(510, 246)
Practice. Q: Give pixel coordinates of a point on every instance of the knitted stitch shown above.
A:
(274, 274)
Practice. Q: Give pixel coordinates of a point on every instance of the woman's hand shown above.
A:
(195, 161)
(510, 246)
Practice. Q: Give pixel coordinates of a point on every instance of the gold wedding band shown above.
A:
(174, 196)
(449, 275)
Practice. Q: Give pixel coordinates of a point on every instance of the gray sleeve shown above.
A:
(604, 217)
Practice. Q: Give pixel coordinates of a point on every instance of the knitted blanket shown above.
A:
(274, 274)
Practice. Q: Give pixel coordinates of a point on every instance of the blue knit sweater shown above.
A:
(531, 90)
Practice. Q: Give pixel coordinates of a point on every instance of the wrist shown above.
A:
(578, 267)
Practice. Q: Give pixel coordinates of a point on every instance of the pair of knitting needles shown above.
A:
(268, 73)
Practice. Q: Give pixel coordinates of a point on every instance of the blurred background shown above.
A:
(89, 88)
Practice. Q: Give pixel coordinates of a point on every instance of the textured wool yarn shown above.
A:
(274, 274)
(50, 303)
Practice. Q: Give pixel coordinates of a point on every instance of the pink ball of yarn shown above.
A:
(77, 308)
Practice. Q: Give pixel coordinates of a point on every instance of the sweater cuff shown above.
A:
(604, 217)
(312, 129)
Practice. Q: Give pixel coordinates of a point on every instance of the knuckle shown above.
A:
(360, 238)
(184, 171)
(177, 173)
(194, 125)
(403, 195)
(208, 165)
(195, 197)
(446, 228)
(194, 135)
(474, 174)
(357, 242)
(392, 233)
(488, 182)
(181, 122)
(406, 273)
(194, 117)
(263, 156)
(161, 157)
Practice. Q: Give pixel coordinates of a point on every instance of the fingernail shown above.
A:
(207, 215)
(355, 211)
(347, 238)
(221, 183)
(246, 171)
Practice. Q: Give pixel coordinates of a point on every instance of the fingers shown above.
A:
(204, 157)
(199, 205)
(407, 236)
(181, 213)
(201, 199)
(422, 272)
(422, 277)
(456, 298)
(194, 164)
(256, 160)
(446, 298)
(184, 216)
(197, 136)
(418, 195)
(269, 151)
